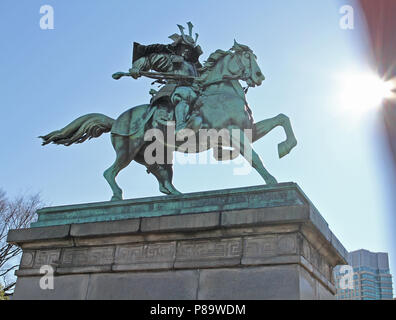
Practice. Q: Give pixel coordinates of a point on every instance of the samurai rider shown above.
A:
(177, 58)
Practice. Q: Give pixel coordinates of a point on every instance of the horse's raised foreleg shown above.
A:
(246, 150)
(123, 158)
(261, 128)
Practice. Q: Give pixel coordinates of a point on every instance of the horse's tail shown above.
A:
(86, 127)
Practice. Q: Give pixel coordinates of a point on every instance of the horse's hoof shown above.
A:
(271, 180)
(176, 193)
(285, 147)
(116, 198)
(170, 190)
(164, 190)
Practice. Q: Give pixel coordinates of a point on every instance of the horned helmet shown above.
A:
(183, 40)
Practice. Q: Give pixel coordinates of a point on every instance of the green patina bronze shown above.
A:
(196, 97)
(266, 196)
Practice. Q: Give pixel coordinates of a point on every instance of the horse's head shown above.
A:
(244, 63)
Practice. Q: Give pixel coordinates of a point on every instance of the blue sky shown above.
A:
(51, 77)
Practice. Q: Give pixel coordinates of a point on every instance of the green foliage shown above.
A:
(2, 295)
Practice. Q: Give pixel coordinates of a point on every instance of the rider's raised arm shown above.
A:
(141, 64)
(160, 62)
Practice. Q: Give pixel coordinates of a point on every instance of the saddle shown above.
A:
(162, 115)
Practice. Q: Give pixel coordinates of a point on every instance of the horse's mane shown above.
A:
(213, 59)
(219, 54)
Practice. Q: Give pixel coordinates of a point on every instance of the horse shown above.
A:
(220, 105)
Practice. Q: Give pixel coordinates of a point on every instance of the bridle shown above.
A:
(245, 73)
(242, 73)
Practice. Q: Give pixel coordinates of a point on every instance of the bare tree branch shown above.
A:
(4, 272)
(7, 288)
(14, 214)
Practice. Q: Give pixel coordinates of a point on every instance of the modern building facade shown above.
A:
(367, 277)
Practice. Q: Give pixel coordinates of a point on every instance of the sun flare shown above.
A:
(364, 92)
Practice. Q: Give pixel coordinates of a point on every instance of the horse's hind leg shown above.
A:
(241, 142)
(162, 172)
(123, 158)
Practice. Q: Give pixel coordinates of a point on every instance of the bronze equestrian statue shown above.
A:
(193, 96)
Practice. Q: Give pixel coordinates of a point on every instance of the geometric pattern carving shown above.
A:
(209, 249)
(88, 256)
(260, 246)
(145, 253)
(270, 245)
(27, 259)
(316, 259)
(287, 244)
(46, 257)
(254, 250)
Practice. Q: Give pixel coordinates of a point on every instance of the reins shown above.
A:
(242, 75)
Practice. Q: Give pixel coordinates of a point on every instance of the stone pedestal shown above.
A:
(263, 242)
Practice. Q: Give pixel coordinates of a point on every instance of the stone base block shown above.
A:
(248, 243)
